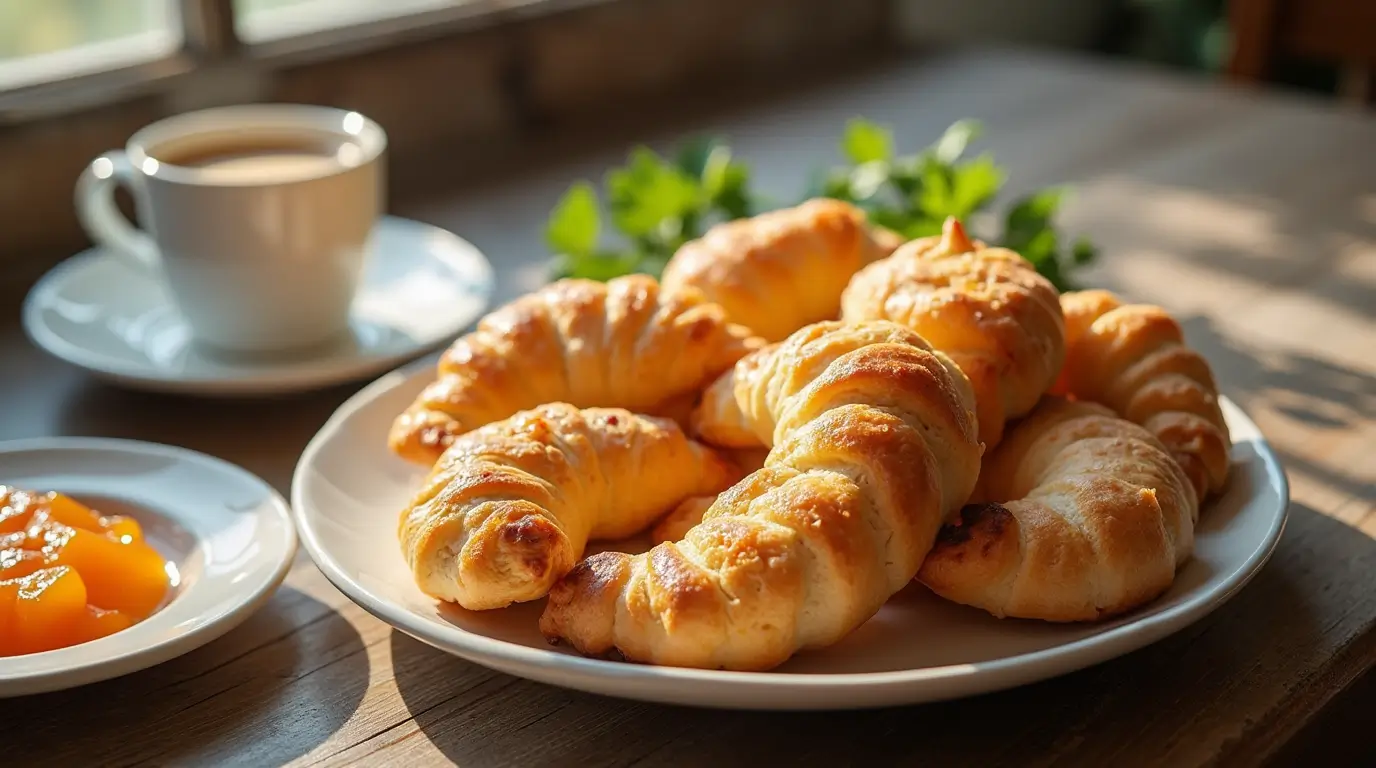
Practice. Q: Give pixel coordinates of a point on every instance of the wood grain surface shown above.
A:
(1253, 216)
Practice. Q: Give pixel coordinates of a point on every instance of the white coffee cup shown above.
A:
(258, 217)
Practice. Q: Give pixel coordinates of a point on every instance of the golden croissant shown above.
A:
(1078, 515)
(873, 445)
(1133, 359)
(624, 343)
(780, 270)
(987, 308)
(510, 507)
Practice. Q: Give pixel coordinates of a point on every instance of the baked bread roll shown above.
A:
(1079, 515)
(778, 271)
(987, 308)
(873, 444)
(1133, 359)
(624, 343)
(510, 507)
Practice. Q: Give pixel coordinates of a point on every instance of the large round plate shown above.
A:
(348, 490)
(226, 534)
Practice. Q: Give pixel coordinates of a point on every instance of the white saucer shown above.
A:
(422, 287)
(228, 534)
(348, 489)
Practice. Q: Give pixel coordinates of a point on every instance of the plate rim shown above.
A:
(107, 667)
(591, 674)
(291, 376)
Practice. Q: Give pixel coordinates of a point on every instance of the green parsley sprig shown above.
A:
(657, 205)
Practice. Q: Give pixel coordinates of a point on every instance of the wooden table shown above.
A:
(1252, 216)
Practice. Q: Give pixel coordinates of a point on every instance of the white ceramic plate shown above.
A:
(348, 490)
(422, 286)
(228, 534)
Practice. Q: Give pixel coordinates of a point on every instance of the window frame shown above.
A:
(212, 50)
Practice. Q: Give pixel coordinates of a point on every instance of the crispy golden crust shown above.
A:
(1079, 515)
(778, 271)
(1133, 359)
(873, 444)
(509, 507)
(624, 343)
(987, 308)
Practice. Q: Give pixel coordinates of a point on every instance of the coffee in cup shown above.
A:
(258, 217)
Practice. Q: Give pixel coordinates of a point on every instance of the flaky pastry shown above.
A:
(778, 271)
(624, 343)
(510, 506)
(987, 308)
(874, 443)
(1078, 515)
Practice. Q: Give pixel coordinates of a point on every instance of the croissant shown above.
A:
(1078, 515)
(873, 444)
(1133, 359)
(987, 308)
(780, 270)
(510, 506)
(624, 343)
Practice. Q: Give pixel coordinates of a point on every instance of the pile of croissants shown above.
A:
(806, 414)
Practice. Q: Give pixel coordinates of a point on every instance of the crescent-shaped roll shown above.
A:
(625, 343)
(1133, 359)
(987, 308)
(510, 506)
(778, 271)
(874, 443)
(1079, 515)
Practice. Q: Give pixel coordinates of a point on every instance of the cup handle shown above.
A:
(101, 218)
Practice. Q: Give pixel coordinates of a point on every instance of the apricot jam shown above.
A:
(69, 575)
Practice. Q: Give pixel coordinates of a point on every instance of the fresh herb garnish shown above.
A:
(656, 205)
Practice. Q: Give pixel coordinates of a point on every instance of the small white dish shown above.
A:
(348, 490)
(227, 535)
(422, 286)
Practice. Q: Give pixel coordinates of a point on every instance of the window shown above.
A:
(261, 20)
(43, 40)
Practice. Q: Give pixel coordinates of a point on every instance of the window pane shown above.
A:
(44, 40)
(258, 20)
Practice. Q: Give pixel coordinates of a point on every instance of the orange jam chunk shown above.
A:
(97, 623)
(69, 575)
(47, 611)
(130, 578)
(16, 507)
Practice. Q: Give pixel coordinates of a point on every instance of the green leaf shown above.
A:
(973, 185)
(597, 266)
(935, 198)
(648, 191)
(921, 228)
(1032, 214)
(957, 137)
(574, 224)
(866, 142)
(868, 179)
(1083, 252)
(692, 157)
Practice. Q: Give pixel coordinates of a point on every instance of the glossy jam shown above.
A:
(69, 575)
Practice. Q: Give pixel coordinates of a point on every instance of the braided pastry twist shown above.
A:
(873, 437)
(778, 271)
(1078, 515)
(1133, 359)
(624, 343)
(510, 507)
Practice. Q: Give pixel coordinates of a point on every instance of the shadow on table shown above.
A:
(267, 692)
(1317, 393)
(1239, 665)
